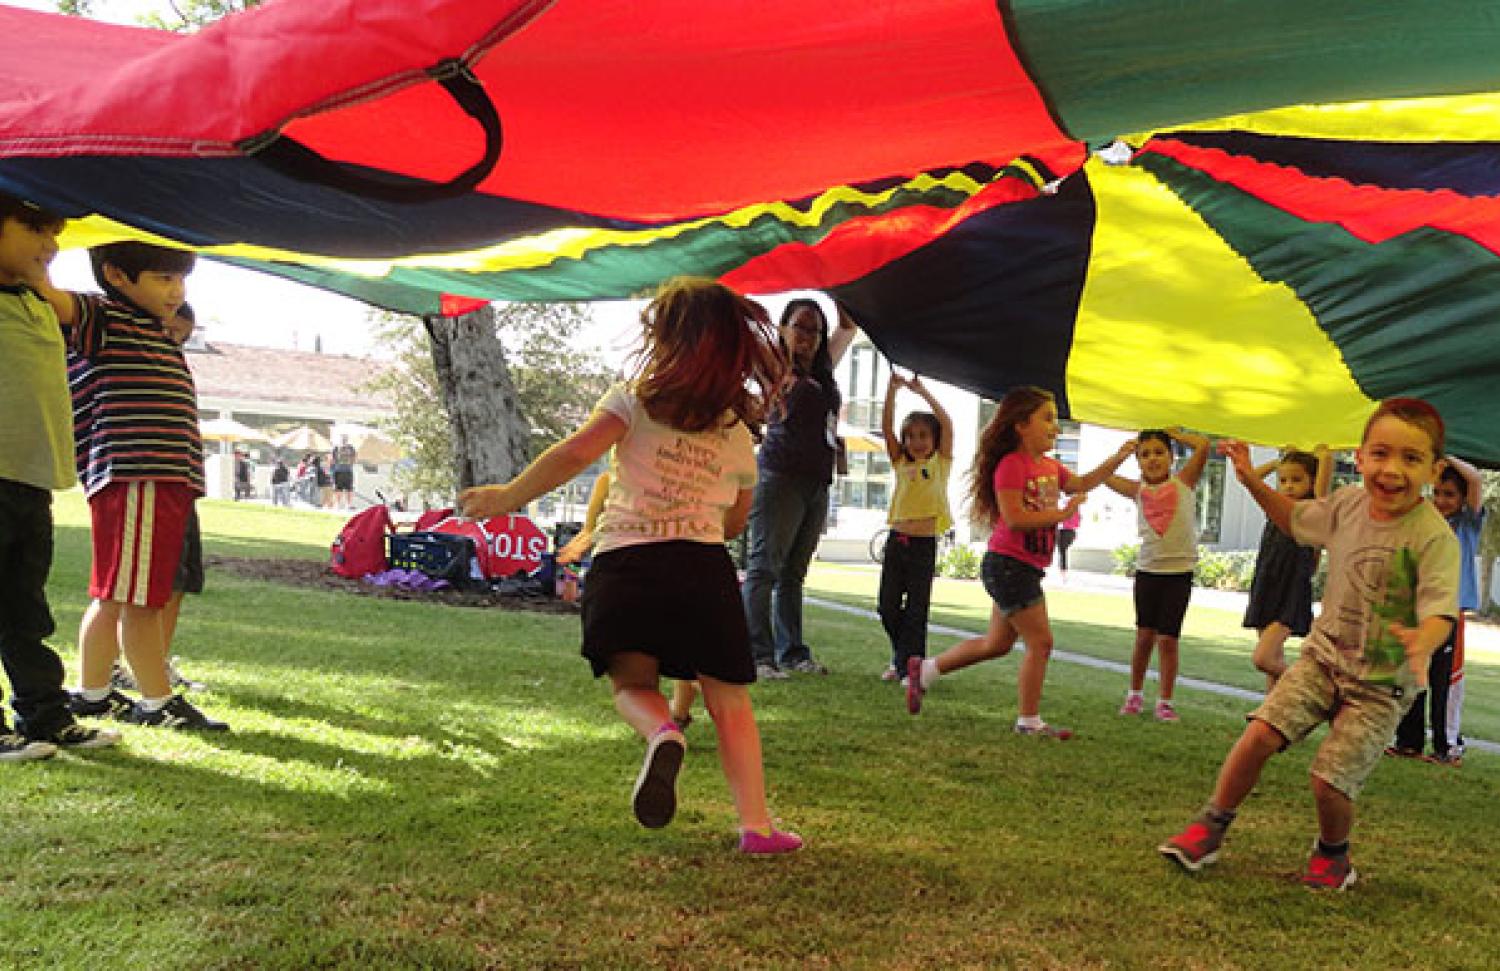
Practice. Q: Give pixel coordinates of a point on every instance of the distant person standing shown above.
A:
(343, 475)
(1067, 531)
(323, 482)
(281, 488)
(244, 471)
(796, 462)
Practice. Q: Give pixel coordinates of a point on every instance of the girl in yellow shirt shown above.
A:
(921, 458)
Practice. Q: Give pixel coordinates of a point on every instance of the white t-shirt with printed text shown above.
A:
(667, 484)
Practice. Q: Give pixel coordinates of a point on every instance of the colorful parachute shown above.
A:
(1266, 274)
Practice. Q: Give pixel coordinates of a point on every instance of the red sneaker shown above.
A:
(766, 844)
(1326, 872)
(1195, 847)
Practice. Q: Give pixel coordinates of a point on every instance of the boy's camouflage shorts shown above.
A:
(1362, 719)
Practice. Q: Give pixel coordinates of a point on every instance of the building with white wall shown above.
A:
(1229, 518)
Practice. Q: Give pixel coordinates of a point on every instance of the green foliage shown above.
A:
(1125, 557)
(556, 386)
(187, 15)
(960, 562)
(1233, 570)
(419, 423)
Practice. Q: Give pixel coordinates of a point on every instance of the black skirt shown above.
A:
(678, 602)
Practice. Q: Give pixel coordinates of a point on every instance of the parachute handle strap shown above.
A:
(293, 159)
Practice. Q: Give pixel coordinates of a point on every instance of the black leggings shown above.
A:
(1064, 540)
(1411, 733)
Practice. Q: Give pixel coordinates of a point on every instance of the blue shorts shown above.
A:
(1013, 585)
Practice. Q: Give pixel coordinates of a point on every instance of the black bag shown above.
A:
(442, 556)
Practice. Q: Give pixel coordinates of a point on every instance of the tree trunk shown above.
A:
(490, 434)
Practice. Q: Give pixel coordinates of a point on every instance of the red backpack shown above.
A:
(359, 548)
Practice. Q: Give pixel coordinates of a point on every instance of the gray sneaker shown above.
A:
(15, 748)
(809, 666)
(770, 672)
(76, 736)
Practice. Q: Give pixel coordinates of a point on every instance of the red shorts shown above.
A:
(138, 528)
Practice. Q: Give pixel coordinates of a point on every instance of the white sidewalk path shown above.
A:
(1484, 637)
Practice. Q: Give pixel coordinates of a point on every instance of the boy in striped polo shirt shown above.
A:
(139, 455)
(34, 444)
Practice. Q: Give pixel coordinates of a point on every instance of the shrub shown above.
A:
(1225, 571)
(1125, 557)
(959, 562)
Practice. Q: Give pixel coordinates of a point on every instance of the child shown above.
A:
(1392, 595)
(683, 692)
(36, 442)
(1016, 487)
(1167, 520)
(1066, 533)
(921, 458)
(1281, 593)
(661, 596)
(1459, 497)
(141, 462)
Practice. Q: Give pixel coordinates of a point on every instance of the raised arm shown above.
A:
(1475, 492)
(1323, 482)
(888, 418)
(1278, 508)
(1105, 471)
(944, 419)
(64, 304)
(1192, 469)
(843, 334)
(552, 468)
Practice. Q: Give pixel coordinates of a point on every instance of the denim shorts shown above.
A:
(1013, 585)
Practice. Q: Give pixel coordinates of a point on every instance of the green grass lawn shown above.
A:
(413, 786)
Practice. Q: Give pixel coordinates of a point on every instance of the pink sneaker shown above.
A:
(1165, 712)
(765, 844)
(914, 689)
(1133, 705)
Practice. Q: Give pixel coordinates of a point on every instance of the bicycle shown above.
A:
(877, 543)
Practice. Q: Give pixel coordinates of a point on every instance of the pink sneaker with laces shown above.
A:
(1133, 705)
(766, 844)
(1165, 712)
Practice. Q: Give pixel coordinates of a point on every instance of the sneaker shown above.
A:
(765, 844)
(770, 672)
(1046, 731)
(1195, 847)
(16, 748)
(809, 666)
(1326, 872)
(74, 735)
(1449, 758)
(178, 680)
(1165, 712)
(177, 713)
(1402, 752)
(1133, 705)
(889, 674)
(121, 679)
(914, 689)
(655, 797)
(113, 705)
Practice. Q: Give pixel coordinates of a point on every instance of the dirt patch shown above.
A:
(316, 575)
